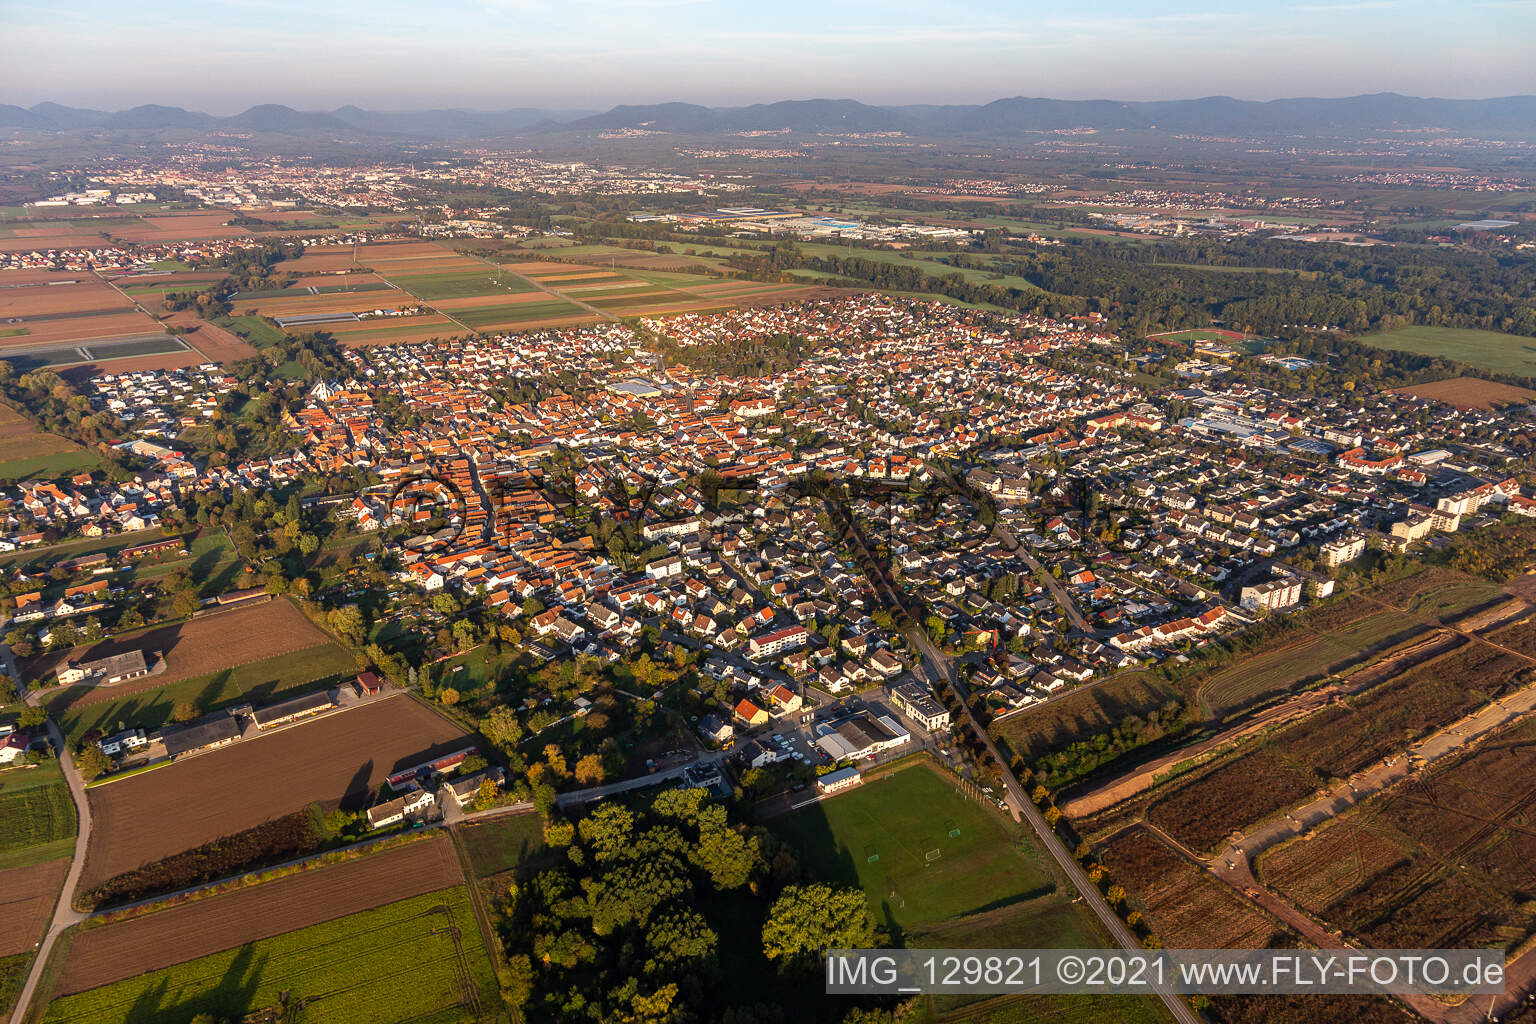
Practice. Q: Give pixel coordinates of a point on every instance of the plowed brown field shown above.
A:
(339, 759)
(125, 949)
(27, 896)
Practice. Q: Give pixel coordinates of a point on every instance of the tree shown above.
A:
(349, 624)
(589, 770)
(501, 727)
(448, 696)
(31, 717)
(807, 919)
(679, 935)
(91, 762)
(185, 603)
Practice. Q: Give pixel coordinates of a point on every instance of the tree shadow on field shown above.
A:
(359, 791)
(212, 693)
(232, 996)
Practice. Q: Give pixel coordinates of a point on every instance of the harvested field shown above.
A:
(1448, 859)
(1471, 393)
(1202, 812)
(337, 760)
(1344, 738)
(214, 342)
(27, 899)
(1188, 907)
(180, 226)
(128, 948)
(192, 648)
(1521, 636)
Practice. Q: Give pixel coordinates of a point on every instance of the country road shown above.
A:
(64, 914)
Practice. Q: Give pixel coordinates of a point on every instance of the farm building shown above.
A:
(368, 684)
(292, 710)
(207, 735)
(833, 782)
(392, 812)
(114, 669)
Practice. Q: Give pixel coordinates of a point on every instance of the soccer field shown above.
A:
(922, 852)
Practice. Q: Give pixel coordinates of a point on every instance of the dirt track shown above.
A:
(128, 948)
(339, 759)
(27, 896)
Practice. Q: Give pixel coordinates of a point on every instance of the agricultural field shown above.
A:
(1285, 668)
(501, 843)
(1334, 742)
(1438, 593)
(27, 898)
(420, 960)
(1187, 906)
(338, 760)
(1471, 393)
(76, 306)
(1062, 722)
(1486, 350)
(1448, 859)
(181, 931)
(1252, 788)
(26, 452)
(261, 682)
(189, 649)
(893, 836)
(38, 813)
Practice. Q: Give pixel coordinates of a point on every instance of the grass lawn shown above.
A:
(401, 962)
(303, 671)
(1488, 350)
(211, 562)
(38, 813)
(892, 837)
(501, 843)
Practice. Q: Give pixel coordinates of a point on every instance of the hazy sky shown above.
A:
(221, 56)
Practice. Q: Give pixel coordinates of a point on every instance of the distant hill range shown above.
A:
(1513, 116)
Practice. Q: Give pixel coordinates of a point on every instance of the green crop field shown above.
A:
(38, 813)
(482, 316)
(891, 836)
(1281, 669)
(1488, 350)
(252, 328)
(501, 843)
(457, 285)
(303, 671)
(419, 960)
(47, 466)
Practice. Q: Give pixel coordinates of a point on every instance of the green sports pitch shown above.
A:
(923, 853)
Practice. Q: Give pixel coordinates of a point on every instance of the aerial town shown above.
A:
(533, 565)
